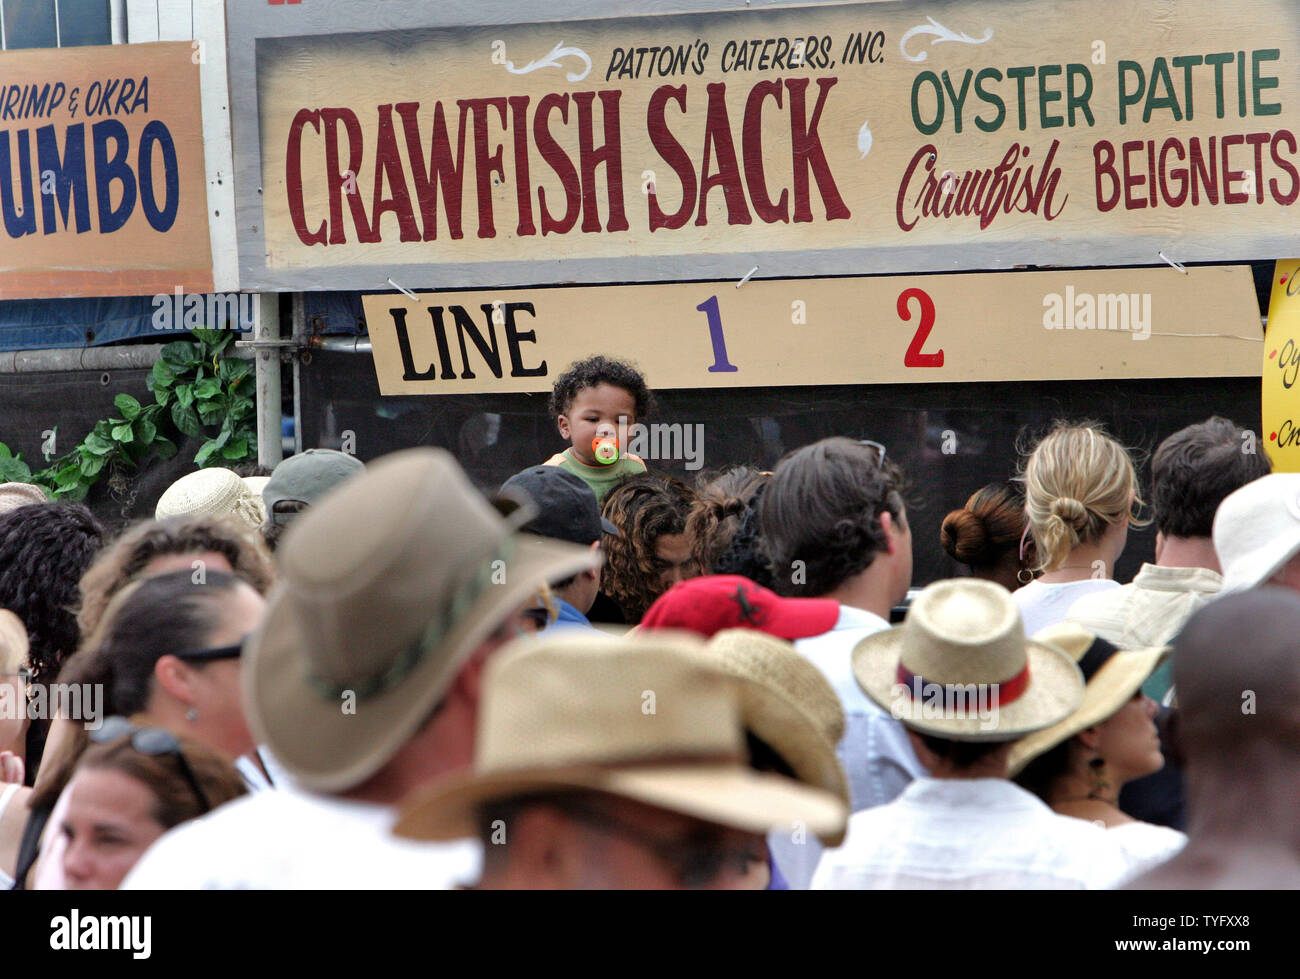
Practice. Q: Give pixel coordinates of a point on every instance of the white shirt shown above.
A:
(875, 752)
(967, 834)
(252, 774)
(1149, 610)
(1147, 845)
(1043, 605)
(299, 840)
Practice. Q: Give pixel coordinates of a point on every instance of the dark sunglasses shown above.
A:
(152, 741)
(696, 860)
(214, 652)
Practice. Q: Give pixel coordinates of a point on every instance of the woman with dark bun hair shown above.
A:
(985, 535)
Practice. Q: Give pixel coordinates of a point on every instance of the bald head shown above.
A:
(1237, 671)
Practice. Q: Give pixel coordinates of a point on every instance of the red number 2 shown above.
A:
(914, 357)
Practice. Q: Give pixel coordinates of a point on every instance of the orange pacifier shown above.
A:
(605, 449)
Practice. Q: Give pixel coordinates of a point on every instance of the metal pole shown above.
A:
(300, 344)
(269, 451)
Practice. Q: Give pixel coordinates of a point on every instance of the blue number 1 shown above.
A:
(720, 363)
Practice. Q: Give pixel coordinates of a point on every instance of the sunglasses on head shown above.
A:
(877, 446)
(213, 652)
(152, 741)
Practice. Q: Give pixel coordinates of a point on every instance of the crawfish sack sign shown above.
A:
(811, 139)
(101, 173)
(1280, 401)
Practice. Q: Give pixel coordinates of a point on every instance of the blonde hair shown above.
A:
(1078, 482)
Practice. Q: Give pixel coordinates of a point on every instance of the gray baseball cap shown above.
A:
(305, 478)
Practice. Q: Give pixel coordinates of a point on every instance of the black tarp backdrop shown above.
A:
(32, 404)
(494, 436)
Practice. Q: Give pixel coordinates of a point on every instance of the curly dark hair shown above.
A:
(722, 526)
(122, 561)
(644, 508)
(600, 370)
(822, 506)
(45, 548)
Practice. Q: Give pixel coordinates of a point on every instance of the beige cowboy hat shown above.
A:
(1112, 677)
(960, 667)
(13, 642)
(387, 586)
(214, 492)
(646, 718)
(787, 704)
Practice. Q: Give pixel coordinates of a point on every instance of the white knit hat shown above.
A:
(209, 492)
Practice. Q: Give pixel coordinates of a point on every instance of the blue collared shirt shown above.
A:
(569, 617)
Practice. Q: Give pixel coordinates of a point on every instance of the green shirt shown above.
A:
(601, 479)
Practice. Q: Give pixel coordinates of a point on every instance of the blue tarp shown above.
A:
(43, 324)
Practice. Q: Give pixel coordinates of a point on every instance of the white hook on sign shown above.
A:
(404, 292)
(1170, 261)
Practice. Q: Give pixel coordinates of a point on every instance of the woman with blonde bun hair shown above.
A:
(1080, 493)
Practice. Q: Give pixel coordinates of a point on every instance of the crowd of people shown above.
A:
(346, 675)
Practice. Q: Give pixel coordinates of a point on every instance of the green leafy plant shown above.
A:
(204, 389)
(195, 390)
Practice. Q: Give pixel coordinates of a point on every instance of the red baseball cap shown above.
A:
(729, 601)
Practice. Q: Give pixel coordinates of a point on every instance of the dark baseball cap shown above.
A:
(566, 506)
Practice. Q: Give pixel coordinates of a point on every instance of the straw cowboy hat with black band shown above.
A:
(1112, 676)
(387, 586)
(963, 644)
(647, 718)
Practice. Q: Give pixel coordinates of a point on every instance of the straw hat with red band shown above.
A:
(712, 603)
(1113, 677)
(963, 644)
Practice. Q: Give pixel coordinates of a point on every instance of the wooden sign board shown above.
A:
(1091, 325)
(102, 185)
(378, 139)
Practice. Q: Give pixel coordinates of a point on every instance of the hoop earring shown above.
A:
(1024, 576)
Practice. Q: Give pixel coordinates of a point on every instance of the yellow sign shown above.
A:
(102, 187)
(1280, 402)
(823, 139)
(1122, 323)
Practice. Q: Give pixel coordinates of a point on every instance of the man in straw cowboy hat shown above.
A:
(962, 677)
(1238, 730)
(364, 679)
(619, 763)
